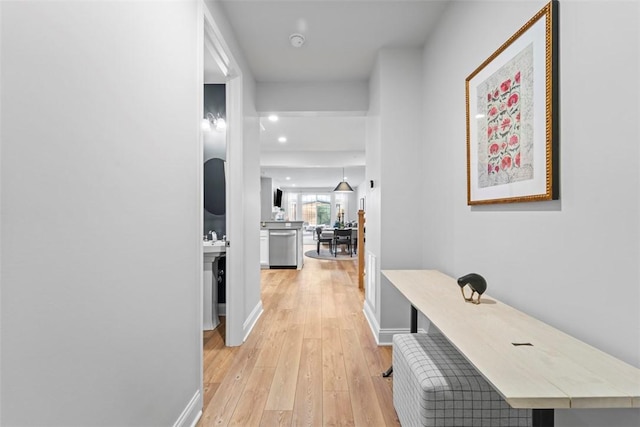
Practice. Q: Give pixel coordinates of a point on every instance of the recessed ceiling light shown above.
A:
(273, 118)
(288, 178)
(282, 139)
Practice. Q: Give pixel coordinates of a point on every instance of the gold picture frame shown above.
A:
(512, 117)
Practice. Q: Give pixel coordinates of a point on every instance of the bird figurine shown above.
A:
(477, 284)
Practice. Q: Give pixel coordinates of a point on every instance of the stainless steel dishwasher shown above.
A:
(283, 248)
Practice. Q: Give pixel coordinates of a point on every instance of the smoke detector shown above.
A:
(296, 39)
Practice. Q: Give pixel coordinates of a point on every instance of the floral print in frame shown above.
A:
(512, 117)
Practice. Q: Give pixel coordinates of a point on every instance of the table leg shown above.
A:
(414, 320)
(542, 418)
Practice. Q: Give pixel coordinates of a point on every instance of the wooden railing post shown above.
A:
(361, 249)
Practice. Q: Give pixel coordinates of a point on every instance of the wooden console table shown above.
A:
(531, 364)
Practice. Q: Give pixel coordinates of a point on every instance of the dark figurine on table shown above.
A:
(477, 284)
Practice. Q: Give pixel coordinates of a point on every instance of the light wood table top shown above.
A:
(555, 371)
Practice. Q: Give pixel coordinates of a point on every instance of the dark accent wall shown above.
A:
(214, 216)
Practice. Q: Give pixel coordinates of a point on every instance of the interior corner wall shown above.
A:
(101, 277)
(573, 263)
(393, 210)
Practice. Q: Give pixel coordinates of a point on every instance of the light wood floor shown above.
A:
(310, 360)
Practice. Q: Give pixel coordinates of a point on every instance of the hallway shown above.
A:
(310, 360)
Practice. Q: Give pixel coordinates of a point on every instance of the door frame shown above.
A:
(215, 45)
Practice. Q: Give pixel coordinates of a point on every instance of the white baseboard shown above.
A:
(383, 336)
(371, 320)
(192, 413)
(252, 319)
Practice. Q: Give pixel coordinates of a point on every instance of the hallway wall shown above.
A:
(572, 263)
(100, 302)
(393, 216)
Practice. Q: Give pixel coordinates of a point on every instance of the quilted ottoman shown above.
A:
(434, 385)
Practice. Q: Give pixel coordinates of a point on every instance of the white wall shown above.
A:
(394, 142)
(266, 198)
(572, 263)
(350, 98)
(101, 213)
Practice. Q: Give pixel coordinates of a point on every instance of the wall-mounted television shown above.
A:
(277, 198)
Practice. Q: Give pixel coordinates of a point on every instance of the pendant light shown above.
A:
(343, 186)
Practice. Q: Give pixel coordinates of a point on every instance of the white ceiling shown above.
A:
(316, 133)
(343, 38)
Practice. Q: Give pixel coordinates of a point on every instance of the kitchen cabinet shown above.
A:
(264, 248)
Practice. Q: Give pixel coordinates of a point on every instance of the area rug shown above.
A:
(326, 255)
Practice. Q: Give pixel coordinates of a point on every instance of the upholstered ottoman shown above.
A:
(434, 385)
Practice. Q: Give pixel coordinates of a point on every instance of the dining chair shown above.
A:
(342, 237)
(325, 239)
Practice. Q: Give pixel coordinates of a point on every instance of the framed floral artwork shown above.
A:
(512, 117)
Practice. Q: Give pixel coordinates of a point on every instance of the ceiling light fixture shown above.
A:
(273, 118)
(282, 139)
(296, 39)
(216, 122)
(343, 186)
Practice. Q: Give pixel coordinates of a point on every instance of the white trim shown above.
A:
(252, 319)
(371, 320)
(200, 186)
(383, 336)
(192, 413)
(235, 277)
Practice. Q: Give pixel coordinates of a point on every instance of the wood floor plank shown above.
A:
(377, 361)
(328, 301)
(283, 389)
(313, 319)
(221, 407)
(248, 411)
(307, 410)
(337, 409)
(209, 390)
(384, 391)
(272, 345)
(334, 376)
(276, 419)
(217, 367)
(364, 401)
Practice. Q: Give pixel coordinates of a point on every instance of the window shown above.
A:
(316, 209)
(342, 207)
(292, 206)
